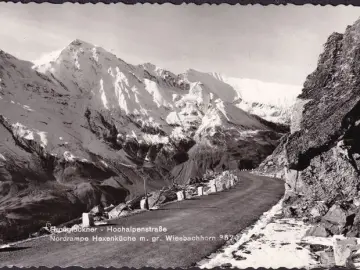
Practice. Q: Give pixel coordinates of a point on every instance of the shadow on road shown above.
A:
(8, 249)
(181, 208)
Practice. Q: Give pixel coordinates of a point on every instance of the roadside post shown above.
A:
(144, 204)
(213, 187)
(181, 195)
(87, 220)
(228, 184)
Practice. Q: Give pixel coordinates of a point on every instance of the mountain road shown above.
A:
(178, 234)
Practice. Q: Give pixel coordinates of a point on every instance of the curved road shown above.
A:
(207, 218)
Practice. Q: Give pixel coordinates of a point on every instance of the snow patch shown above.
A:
(46, 59)
(121, 84)
(209, 120)
(103, 95)
(104, 163)
(95, 54)
(68, 156)
(2, 157)
(23, 132)
(173, 118)
(28, 134)
(267, 244)
(110, 72)
(76, 60)
(178, 133)
(220, 105)
(5, 246)
(43, 138)
(26, 107)
(155, 139)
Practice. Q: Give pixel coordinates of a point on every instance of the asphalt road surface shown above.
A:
(206, 219)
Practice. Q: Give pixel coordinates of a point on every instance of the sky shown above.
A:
(269, 43)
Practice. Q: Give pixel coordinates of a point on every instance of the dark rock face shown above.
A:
(321, 155)
(333, 95)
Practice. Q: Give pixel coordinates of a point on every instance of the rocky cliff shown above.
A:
(85, 128)
(320, 159)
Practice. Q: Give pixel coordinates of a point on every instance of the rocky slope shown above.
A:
(85, 128)
(320, 158)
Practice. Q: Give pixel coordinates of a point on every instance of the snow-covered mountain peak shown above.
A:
(80, 43)
(75, 53)
(43, 63)
(86, 68)
(114, 84)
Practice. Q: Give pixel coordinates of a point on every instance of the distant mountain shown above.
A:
(82, 127)
(271, 101)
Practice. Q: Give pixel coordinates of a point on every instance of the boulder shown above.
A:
(134, 203)
(290, 211)
(161, 197)
(343, 249)
(318, 210)
(207, 190)
(115, 213)
(109, 208)
(326, 258)
(354, 230)
(97, 210)
(200, 191)
(336, 216)
(42, 231)
(356, 258)
(357, 201)
(333, 229)
(318, 230)
(98, 218)
(125, 213)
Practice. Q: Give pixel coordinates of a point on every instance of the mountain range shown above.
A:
(82, 127)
